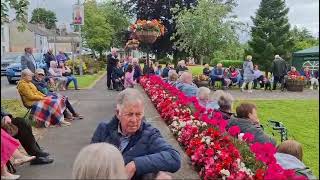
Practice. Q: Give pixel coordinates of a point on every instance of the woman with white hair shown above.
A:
(56, 74)
(172, 77)
(203, 95)
(45, 109)
(181, 67)
(248, 74)
(99, 161)
(225, 102)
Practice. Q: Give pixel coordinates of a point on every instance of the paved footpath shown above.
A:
(64, 143)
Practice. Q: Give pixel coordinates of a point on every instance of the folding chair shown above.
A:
(28, 112)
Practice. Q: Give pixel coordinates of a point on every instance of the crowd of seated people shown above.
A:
(47, 108)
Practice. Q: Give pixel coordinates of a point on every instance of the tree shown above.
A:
(97, 32)
(104, 26)
(118, 20)
(205, 29)
(43, 16)
(20, 6)
(303, 39)
(145, 9)
(270, 33)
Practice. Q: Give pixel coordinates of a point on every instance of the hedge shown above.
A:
(228, 63)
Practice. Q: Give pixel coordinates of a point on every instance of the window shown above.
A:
(2, 34)
(3, 50)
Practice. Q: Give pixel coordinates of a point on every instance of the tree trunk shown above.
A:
(201, 60)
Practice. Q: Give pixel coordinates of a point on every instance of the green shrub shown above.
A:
(228, 63)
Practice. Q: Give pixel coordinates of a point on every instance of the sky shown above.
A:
(303, 13)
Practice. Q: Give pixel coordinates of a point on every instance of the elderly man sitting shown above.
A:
(186, 85)
(143, 148)
(217, 74)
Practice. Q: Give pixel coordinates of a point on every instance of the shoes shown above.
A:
(41, 160)
(78, 116)
(47, 124)
(20, 161)
(65, 123)
(12, 176)
(42, 154)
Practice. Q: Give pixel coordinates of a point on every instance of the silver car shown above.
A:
(8, 59)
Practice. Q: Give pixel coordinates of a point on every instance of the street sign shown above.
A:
(78, 14)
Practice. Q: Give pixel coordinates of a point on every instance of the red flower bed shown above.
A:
(202, 133)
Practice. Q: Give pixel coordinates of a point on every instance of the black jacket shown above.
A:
(111, 61)
(279, 67)
(48, 58)
(206, 71)
(117, 73)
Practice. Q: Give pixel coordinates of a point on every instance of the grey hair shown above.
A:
(276, 56)
(99, 161)
(225, 101)
(203, 93)
(129, 95)
(184, 77)
(216, 95)
(26, 72)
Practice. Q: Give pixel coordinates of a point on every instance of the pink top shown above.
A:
(128, 79)
(8, 146)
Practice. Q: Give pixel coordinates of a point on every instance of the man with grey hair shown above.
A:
(186, 85)
(144, 150)
(28, 61)
(225, 102)
(279, 69)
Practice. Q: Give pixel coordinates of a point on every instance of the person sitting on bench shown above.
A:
(26, 138)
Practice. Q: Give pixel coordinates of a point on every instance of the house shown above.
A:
(5, 39)
(67, 42)
(35, 36)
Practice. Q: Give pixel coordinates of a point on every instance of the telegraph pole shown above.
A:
(79, 26)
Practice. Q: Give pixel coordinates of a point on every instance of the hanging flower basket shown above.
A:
(147, 31)
(148, 37)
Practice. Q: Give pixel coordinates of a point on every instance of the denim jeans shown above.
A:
(74, 79)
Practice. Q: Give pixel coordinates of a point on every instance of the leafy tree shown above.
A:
(303, 39)
(20, 6)
(118, 20)
(97, 32)
(205, 29)
(105, 26)
(270, 33)
(47, 17)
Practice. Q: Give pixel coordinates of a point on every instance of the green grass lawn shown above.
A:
(301, 118)
(86, 81)
(14, 107)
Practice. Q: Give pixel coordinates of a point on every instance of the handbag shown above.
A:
(10, 129)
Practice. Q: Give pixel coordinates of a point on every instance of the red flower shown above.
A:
(248, 137)
(234, 131)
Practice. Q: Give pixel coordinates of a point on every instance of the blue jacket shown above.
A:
(188, 89)
(217, 72)
(147, 148)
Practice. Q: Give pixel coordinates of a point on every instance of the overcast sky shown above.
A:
(303, 13)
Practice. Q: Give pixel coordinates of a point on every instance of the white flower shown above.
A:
(219, 152)
(240, 136)
(215, 157)
(225, 172)
(183, 124)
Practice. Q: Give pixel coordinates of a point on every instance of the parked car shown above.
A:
(13, 71)
(8, 59)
